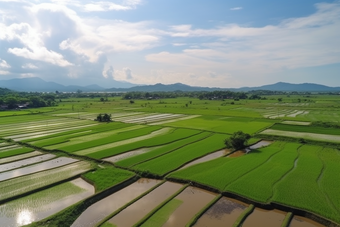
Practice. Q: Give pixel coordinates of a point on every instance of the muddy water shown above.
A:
(129, 154)
(98, 211)
(208, 157)
(260, 218)
(36, 168)
(222, 214)
(262, 143)
(237, 154)
(299, 221)
(132, 214)
(34, 208)
(194, 200)
(25, 162)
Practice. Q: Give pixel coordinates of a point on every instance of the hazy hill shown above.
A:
(36, 84)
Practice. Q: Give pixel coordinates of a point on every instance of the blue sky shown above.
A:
(202, 43)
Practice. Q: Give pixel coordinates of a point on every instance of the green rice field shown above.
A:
(147, 139)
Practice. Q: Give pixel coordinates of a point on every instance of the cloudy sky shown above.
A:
(217, 43)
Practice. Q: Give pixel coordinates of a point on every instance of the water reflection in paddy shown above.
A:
(42, 204)
(36, 168)
(261, 217)
(208, 157)
(98, 211)
(222, 214)
(194, 200)
(132, 214)
(299, 221)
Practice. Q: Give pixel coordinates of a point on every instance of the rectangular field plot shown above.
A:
(261, 217)
(224, 125)
(36, 168)
(17, 186)
(177, 158)
(98, 143)
(309, 129)
(67, 141)
(223, 213)
(186, 205)
(136, 211)
(161, 150)
(103, 208)
(19, 157)
(16, 151)
(25, 162)
(126, 139)
(158, 140)
(44, 203)
(304, 135)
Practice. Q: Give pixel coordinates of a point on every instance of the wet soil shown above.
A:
(103, 208)
(222, 214)
(194, 200)
(261, 217)
(299, 221)
(132, 214)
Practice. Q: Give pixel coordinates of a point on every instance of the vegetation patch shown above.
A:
(106, 176)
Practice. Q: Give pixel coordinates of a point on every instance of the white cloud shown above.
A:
(100, 6)
(33, 41)
(236, 8)
(238, 52)
(4, 64)
(123, 75)
(29, 66)
(27, 75)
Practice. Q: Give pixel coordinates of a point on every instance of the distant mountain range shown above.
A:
(36, 84)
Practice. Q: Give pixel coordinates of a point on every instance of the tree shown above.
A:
(237, 141)
(103, 118)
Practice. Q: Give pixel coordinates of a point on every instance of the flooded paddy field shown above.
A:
(37, 167)
(25, 162)
(208, 157)
(223, 213)
(193, 200)
(133, 213)
(19, 157)
(298, 221)
(103, 208)
(44, 203)
(260, 217)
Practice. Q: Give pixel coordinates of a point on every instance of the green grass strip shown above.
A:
(159, 207)
(195, 218)
(243, 216)
(108, 224)
(106, 177)
(128, 204)
(162, 215)
(160, 151)
(287, 219)
(10, 153)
